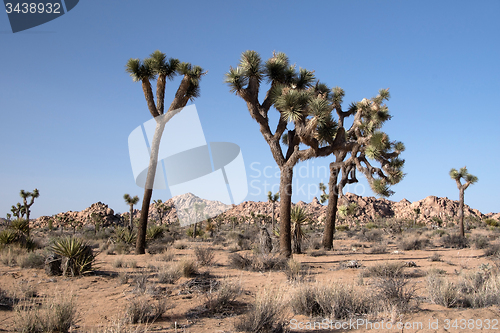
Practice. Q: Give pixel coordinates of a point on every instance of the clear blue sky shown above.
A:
(67, 106)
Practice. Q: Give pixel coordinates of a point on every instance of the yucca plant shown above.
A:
(8, 236)
(299, 217)
(77, 254)
(125, 235)
(154, 232)
(20, 226)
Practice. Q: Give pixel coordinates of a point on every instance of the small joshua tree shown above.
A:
(299, 217)
(273, 198)
(131, 202)
(24, 209)
(469, 179)
(161, 209)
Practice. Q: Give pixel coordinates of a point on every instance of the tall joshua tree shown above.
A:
(469, 179)
(158, 67)
(367, 144)
(131, 202)
(303, 103)
(273, 198)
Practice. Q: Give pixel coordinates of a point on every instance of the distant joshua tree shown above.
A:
(469, 179)
(20, 211)
(131, 202)
(161, 209)
(273, 198)
(158, 67)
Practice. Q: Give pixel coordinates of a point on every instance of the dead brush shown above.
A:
(204, 255)
(222, 294)
(267, 313)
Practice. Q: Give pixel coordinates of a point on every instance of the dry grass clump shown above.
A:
(32, 260)
(413, 243)
(167, 255)
(169, 274)
(384, 269)
(455, 241)
(378, 249)
(373, 235)
(332, 300)
(435, 257)
(478, 289)
(180, 245)
(144, 309)
(204, 255)
(57, 315)
(222, 294)
(188, 268)
(293, 270)
(492, 250)
(267, 313)
(480, 242)
(257, 262)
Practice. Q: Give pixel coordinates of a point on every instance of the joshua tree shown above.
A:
(24, 209)
(299, 217)
(273, 198)
(303, 103)
(469, 179)
(417, 213)
(131, 202)
(161, 209)
(365, 145)
(157, 66)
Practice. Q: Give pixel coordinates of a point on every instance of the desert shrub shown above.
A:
(144, 309)
(130, 264)
(204, 255)
(441, 291)
(342, 227)
(413, 243)
(331, 300)
(266, 313)
(384, 270)
(190, 231)
(238, 261)
(78, 257)
(293, 270)
(371, 225)
(480, 242)
(188, 268)
(32, 260)
(166, 255)
(455, 241)
(57, 315)
(154, 232)
(317, 253)
(222, 294)
(492, 222)
(118, 263)
(394, 291)
(439, 232)
(492, 250)
(373, 235)
(123, 278)
(169, 274)
(180, 245)
(435, 257)
(10, 255)
(378, 249)
(6, 300)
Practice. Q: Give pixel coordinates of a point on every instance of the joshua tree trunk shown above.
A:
(331, 209)
(286, 176)
(131, 220)
(461, 212)
(140, 246)
(272, 222)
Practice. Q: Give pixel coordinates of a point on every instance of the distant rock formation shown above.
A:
(369, 209)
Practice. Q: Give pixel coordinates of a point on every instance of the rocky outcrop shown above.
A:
(369, 209)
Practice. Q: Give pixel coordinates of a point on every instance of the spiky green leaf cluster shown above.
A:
(463, 174)
(78, 256)
(381, 187)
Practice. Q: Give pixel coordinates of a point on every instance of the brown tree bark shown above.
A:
(286, 176)
(461, 211)
(131, 220)
(331, 209)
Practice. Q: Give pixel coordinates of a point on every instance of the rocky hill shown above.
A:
(369, 209)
